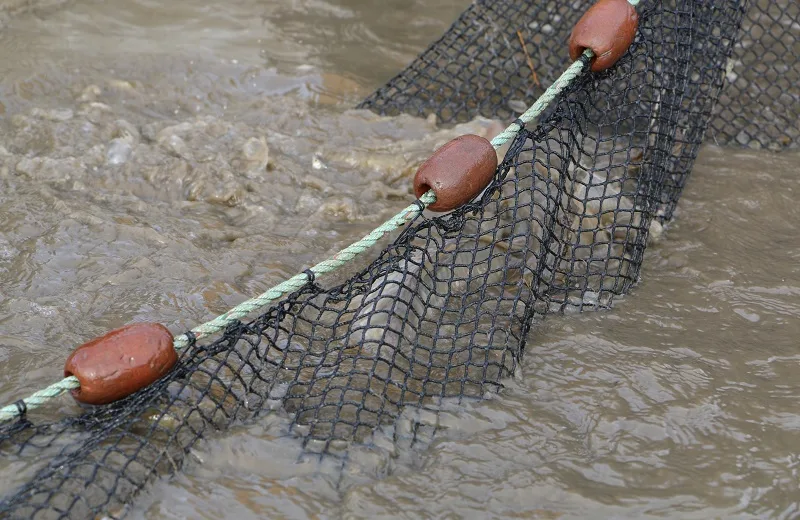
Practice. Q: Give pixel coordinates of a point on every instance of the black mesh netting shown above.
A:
(443, 313)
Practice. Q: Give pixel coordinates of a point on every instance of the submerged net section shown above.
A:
(444, 311)
(480, 68)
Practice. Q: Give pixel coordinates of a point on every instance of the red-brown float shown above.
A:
(608, 28)
(457, 172)
(121, 362)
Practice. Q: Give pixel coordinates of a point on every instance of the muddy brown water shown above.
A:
(165, 161)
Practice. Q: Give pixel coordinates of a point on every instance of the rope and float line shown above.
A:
(220, 323)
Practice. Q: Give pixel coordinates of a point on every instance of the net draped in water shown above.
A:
(444, 310)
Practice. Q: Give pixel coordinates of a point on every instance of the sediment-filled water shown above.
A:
(165, 161)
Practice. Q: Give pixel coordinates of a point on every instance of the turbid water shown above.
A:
(165, 161)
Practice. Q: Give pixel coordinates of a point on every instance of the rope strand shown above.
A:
(326, 266)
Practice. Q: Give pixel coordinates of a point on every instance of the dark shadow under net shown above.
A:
(444, 311)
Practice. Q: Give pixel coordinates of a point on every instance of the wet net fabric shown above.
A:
(442, 314)
(479, 66)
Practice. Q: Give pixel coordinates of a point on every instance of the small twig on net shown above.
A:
(528, 57)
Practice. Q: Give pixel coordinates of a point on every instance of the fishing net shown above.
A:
(442, 314)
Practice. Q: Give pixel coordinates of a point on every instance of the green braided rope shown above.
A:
(39, 398)
(352, 251)
(300, 280)
(569, 75)
(326, 266)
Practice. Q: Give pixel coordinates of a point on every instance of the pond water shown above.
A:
(165, 161)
